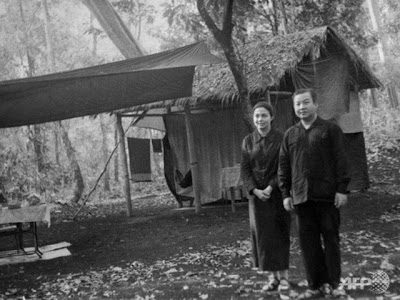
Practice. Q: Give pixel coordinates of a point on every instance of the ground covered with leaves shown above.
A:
(163, 253)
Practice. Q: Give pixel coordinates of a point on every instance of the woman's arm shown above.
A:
(245, 168)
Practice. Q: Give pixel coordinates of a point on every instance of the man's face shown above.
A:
(304, 106)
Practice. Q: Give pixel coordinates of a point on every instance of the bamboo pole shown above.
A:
(124, 159)
(194, 164)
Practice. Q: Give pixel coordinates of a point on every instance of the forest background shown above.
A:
(62, 160)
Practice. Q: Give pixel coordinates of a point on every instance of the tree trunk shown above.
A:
(275, 18)
(372, 98)
(36, 137)
(293, 15)
(373, 8)
(51, 66)
(51, 60)
(94, 37)
(31, 62)
(284, 17)
(105, 153)
(139, 28)
(237, 70)
(78, 179)
(392, 93)
(116, 30)
(56, 144)
(224, 38)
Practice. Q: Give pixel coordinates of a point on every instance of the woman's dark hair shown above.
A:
(266, 105)
(308, 90)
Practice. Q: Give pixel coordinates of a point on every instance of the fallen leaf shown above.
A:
(303, 283)
(385, 265)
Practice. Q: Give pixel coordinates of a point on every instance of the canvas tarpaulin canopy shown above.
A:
(102, 88)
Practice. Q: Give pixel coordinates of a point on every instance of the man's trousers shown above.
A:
(319, 241)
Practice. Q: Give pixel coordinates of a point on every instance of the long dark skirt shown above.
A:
(270, 233)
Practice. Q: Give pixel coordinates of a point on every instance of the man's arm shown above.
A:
(342, 177)
(284, 169)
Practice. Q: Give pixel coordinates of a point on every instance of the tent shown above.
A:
(102, 88)
(317, 58)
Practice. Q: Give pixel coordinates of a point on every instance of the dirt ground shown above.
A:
(164, 253)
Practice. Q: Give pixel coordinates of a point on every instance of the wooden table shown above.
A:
(19, 216)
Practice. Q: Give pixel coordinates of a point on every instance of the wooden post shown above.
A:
(124, 158)
(194, 164)
(232, 194)
(268, 97)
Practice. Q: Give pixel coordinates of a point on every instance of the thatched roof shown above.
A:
(267, 62)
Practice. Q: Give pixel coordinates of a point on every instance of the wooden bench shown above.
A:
(17, 230)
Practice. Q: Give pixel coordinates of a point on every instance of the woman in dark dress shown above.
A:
(269, 221)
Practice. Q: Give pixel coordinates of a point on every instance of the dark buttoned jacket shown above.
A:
(313, 163)
(259, 164)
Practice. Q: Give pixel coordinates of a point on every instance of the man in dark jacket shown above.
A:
(313, 178)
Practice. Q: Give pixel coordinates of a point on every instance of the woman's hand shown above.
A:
(268, 191)
(261, 194)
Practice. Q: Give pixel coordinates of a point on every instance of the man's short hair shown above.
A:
(266, 105)
(307, 90)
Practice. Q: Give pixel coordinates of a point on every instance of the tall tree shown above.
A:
(79, 182)
(284, 17)
(35, 135)
(390, 21)
(103, 127)
(224, 37)
(373, 8)
(71, 154)
(51, 64)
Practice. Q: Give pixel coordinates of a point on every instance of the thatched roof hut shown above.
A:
(270, 64)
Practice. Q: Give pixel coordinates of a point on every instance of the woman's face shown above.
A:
(262, 119)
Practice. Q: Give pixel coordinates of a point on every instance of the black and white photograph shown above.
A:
(200, 149)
